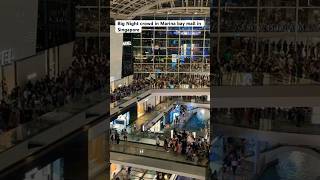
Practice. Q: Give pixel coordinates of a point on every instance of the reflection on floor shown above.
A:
(137, 174)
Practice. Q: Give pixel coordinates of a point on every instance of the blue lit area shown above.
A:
(196, 119)
(293, 165)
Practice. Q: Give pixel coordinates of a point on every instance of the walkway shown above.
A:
(143, 140)
(145, 118)
(162, 107)
(137, 174)
(160, 165)
(50, 119)
(152, 151)
(277, 125)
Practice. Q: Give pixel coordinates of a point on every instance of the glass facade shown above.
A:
(180, 51)
(280, 38)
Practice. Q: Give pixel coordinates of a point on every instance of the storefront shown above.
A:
(121, 122)
(124, 119)
(115, 169)
(97, 149)
(52, 171)
(173, 114)
(145, 104)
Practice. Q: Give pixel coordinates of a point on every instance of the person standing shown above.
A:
(112, 138)
(117, 138)
(234, 165)
(165, 144)
(125, 135)
(157, 141)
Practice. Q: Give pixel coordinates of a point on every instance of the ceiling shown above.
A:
(129, 9)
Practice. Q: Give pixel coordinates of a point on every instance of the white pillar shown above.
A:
(315, 116)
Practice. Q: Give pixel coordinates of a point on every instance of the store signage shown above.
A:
(126, 43)
(187, 33)
(6, 57)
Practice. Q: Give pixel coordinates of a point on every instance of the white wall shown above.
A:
(65, 56)
(115, 54)
(18, 27)
(32, 69)
(151, 100)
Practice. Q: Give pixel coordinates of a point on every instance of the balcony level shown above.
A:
(266, 96)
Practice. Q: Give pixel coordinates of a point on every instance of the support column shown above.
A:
(257, 157)
(315, 116)
(86, 44)
(98, 147)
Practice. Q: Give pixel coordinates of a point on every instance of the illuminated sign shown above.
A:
(187, 33)
(126, 43)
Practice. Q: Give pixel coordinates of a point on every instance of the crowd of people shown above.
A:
(87, 20)
(183, 143)
(127, 90)
(195, 67)
(86, 74)
(271, 20)
(282, 58)
(161, 82)
(256, 117)
(195, 149)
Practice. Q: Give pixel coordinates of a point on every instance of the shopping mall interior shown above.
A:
(160, 93)
(235, 99)
(265, 66)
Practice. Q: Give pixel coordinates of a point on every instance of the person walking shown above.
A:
(157, 141)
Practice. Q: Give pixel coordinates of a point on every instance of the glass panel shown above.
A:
(160, 68)
(161, 34)
(173, 67)
(238, 20)
(196, 67)
(137, 67)
(277, 20)
(206, 67)
(308, 3)
(146, 68)
(237, 3)
(184, 67)
(147, 33)
(277, 3)
(173, 51)
(160, 59)
(309, 20)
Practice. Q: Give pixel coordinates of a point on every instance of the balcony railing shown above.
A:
(259, 79)
(27, 130)
(277, 122)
